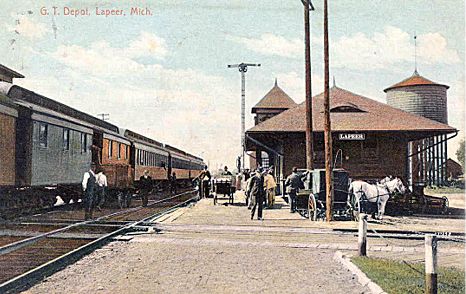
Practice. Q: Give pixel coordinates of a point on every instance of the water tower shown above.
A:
(426, 98)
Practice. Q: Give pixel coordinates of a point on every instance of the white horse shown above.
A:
(378, 193)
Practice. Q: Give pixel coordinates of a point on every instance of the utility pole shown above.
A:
(307, 54)
(327, 126)
(105, 116)
(243, 68)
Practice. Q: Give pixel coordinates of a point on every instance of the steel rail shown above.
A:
(411, 235)
(22, 243)
(32, 276)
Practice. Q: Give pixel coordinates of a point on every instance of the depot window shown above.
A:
(43, 133)
(83, 143)
(66, 139)
(119, 151)
(110, 148)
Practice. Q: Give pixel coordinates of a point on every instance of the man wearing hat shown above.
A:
(256, 191)
(89, 187)
(293, 183)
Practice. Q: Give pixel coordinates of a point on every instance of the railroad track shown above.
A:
(27, 256)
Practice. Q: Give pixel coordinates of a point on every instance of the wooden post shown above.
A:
(327, 127)
(362, 235)
(307, 57)
(431, 264)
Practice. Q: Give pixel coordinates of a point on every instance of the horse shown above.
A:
(378, 193)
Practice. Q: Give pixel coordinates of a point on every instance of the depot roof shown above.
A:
(349, 112)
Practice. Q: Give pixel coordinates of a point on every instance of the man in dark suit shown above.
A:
(145, 186)
(89, 187)
(293, 183)
(256, 191)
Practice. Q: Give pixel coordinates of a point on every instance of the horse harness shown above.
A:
(378, 195)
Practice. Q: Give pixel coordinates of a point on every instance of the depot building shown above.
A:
(370, 139)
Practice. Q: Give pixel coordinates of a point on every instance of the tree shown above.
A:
(460, 153)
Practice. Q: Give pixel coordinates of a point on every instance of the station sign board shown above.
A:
(351, 137)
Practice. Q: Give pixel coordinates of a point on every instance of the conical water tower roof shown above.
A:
(415, 80)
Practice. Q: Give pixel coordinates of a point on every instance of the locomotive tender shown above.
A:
(47, 146)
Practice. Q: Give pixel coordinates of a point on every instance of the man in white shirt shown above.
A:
(88, 184)
(101, 180)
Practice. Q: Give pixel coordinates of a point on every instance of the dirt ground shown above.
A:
(146, 265)
(206, 248)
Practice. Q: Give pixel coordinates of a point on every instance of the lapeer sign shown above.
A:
(352, 137)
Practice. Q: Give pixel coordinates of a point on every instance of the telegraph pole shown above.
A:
(307, 54)
(243, 68)
(104, 116)
(327, 126)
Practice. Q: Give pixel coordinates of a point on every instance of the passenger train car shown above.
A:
(48, 146)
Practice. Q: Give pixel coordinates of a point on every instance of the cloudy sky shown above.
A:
(165, 75)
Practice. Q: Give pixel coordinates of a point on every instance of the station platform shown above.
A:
(207, 248)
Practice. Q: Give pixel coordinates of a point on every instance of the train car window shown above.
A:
(83, 143)
(110, 148)
(66, 139)
(43, 133)
(119, 151)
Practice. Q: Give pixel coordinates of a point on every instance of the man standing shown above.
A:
(226, 172)
(293, 183)
(88, 184)
(145, 186)
(204, 179)
(270, 185)
(256, 191)
(101, 180)
(173, 183)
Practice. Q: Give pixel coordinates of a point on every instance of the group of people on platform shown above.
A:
(260, 191)
(94, 185)
(260, 188)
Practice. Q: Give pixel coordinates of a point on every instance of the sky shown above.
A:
(165, 75)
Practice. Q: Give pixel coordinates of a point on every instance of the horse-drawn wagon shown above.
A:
(352, 198)
(311, 202)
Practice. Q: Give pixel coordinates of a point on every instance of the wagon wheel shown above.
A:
(445, 205)
(312, 208)
(356, 207)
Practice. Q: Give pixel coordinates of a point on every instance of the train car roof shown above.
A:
(22, 94)
(171, 148)
(141, 138)
(7, 106)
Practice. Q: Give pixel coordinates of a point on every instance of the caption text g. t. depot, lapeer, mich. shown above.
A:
(97, 11)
